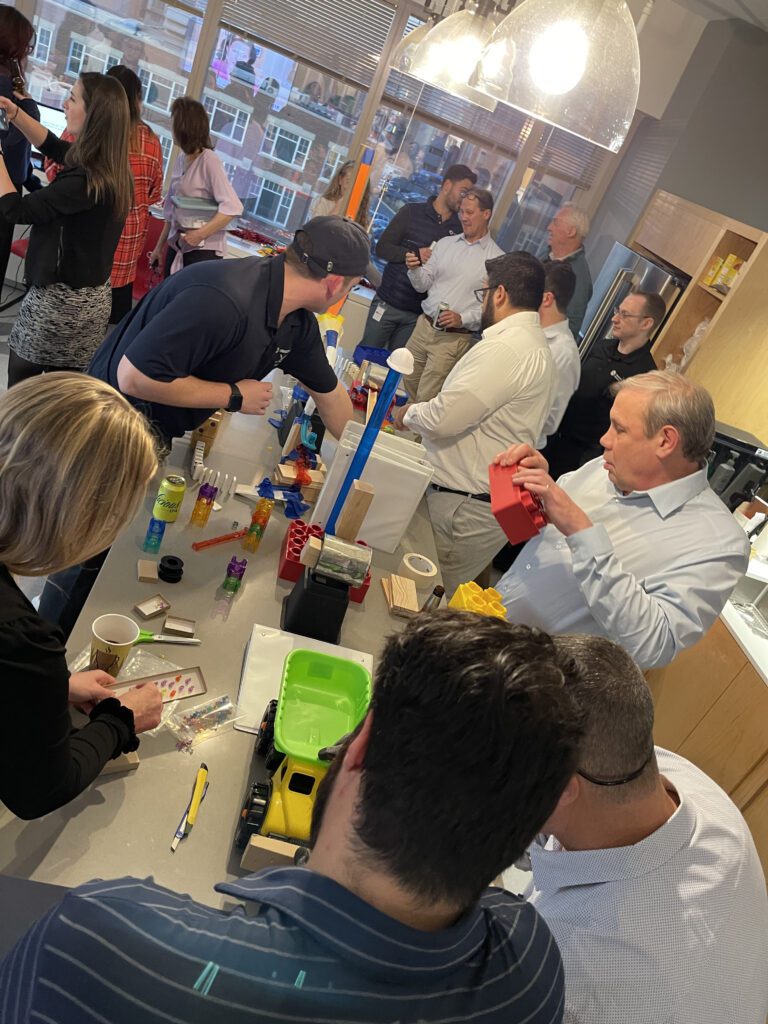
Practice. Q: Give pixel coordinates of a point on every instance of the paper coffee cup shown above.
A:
(112, 637)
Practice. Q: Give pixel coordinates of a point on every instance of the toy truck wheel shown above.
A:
(265, 741)
(273, 759)
(253, 814)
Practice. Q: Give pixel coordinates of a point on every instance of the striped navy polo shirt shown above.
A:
(311, 952)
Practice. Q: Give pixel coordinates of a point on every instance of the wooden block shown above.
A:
(286, 473)
(387, 591)
(263, 852)
(354, 510)
(404, 599)
(124, 763)
(311, 552)
(372, 399)
(147, 570)
(293, 440)
(207, 431)
(179, 627)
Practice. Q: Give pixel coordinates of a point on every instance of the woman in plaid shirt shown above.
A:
(146, 160)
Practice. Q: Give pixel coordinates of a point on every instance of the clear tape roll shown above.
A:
(418, 568)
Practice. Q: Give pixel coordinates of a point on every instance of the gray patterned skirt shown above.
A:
(61, 326)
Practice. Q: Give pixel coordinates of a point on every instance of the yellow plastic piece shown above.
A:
(331, 322)
(470, 597)
(289, 812)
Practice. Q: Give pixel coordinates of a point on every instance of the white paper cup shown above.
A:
(112, 637)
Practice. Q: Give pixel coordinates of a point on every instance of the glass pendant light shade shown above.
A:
(446, 56)
(572, 63)
(401, 58)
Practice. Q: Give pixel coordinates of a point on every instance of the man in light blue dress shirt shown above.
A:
(638, 548)
(647, 873)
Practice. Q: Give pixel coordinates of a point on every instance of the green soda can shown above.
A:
(169, 498)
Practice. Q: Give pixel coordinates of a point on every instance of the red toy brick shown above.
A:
(518, 512)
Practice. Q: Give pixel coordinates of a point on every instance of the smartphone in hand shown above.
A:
(414, 249)
(3, 119)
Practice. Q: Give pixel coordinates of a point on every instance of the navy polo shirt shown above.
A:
(216, 320)
(132, 952)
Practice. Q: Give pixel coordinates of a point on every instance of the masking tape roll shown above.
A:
(418, 568)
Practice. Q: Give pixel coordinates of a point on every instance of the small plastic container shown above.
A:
(203, 721)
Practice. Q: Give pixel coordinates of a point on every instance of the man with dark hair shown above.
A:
(626, 353)
(502, 388)
(637, 548)
(206, 337)
(451, 310)
(396, 305)
(646, 873)
(470, 739)
(559, 285)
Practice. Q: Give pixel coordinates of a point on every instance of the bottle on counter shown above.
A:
(434, 599)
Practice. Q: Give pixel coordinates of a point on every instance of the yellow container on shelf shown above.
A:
(714, 269)
(469, 597)
(725, 277)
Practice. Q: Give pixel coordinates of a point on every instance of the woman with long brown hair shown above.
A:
(198, 174)
(146, 159)
(76, 224)
(17, 38)
(334, 200)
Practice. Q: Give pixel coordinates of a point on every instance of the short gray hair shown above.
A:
(614, 698)
(680, 403)
(577, 217)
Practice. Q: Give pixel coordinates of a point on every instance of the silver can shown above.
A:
(442, 308)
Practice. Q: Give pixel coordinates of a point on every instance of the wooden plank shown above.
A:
(354, 510)
(263, 852)
(125, 763)
(404, 599)
(311, 552)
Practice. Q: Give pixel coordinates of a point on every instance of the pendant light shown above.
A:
(447, 54)
(401, 58)
(572, 63)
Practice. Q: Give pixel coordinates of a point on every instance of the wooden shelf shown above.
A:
(711, 291)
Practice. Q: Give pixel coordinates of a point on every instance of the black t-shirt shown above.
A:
(588, 414)
(43, 762)
(216, 320)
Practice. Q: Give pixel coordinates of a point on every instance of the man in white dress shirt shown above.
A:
(501, 389)
(450, 278)
(638, 548)
(647, 873)
(559, 285)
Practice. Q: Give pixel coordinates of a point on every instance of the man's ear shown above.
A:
(668, 441)
(354, 757)
(548, 300)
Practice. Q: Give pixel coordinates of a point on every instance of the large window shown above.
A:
(155, 40)
(284, 145)
(280, 126)
(270, 201)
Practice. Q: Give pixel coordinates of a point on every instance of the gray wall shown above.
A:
(710, 147)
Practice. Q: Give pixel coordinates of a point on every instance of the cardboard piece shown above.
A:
(263, 852)
(354, 510)
(146, 570)
(153, 606)
(179, 627)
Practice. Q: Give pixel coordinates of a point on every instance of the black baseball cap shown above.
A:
(337, 245)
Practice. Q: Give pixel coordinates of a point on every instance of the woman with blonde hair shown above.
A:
(333, 202)
(76, 224)
(75, 460)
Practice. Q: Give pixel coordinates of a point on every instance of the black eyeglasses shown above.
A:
(623, 315)
(596, 781)
(480, 292)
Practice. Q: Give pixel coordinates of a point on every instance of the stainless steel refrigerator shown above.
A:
(622, 271)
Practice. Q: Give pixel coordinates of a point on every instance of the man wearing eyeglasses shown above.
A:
(625, 354)
(501, 390)
(646, 871)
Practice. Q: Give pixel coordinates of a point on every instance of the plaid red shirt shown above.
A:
(147, 167)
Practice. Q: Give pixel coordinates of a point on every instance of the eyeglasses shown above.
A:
(596, 781)
(480, 292)
(623, 315)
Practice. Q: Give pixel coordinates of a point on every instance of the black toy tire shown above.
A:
(267, 729)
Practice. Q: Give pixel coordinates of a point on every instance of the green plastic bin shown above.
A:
(321, 699)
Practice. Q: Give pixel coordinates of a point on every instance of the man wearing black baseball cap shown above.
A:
(204, 339)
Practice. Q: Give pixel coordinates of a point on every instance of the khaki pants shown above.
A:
(435, 353)
(466, 536)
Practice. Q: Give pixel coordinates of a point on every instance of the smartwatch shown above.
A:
(235, 403)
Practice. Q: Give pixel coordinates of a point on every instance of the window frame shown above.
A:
(256, 189)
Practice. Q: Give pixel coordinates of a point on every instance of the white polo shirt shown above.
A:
(672, 930)
(565, 353)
